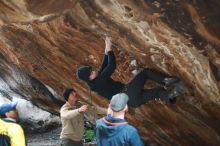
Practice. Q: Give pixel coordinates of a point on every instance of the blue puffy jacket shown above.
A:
(116, 132)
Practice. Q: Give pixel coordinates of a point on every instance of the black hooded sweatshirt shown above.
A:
(103, 84)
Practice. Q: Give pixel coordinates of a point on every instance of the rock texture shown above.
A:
(43, 42)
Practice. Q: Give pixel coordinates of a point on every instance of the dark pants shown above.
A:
(135, 87)
(69, 142)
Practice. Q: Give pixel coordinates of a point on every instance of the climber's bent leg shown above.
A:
(148, 95)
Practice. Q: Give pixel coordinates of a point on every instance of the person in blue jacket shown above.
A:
(113, 130)
(102, 83)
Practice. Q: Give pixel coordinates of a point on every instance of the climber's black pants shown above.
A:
(135, 87)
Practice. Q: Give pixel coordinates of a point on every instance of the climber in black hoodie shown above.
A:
(102, 83)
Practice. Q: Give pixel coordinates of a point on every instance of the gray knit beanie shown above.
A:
(118, 102)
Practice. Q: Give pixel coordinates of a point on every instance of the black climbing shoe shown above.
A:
(177, 91)
(173, 100)
(170, 81)
(162, 96)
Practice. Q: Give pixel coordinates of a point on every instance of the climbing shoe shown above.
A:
(177, 91)
(170, 81)
(173, 100)
(162, 96)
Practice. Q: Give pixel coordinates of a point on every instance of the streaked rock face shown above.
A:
(43, 42)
